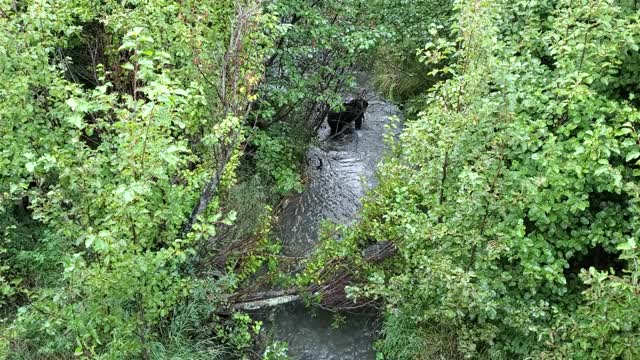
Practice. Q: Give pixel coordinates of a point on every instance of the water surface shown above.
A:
(340, 170)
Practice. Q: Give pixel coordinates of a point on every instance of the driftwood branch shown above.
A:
(267, 303)
(268, 299)
(331, 292)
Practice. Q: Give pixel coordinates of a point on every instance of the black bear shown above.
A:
(353, 112)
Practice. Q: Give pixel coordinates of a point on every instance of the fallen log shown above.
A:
(267, 299)
(331, 292)
(266, 303)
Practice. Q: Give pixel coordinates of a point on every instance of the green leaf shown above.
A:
(72, 103)
(629, 245)
(76, 120)
(88, 240)
(30, 166)
(634, 154)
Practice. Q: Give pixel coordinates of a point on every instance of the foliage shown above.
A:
(102, 163)
(143, 146)
(314, 62)
(604, 326)
(124, 189)
(275, 159)
(188, 332)
(401, 341)
(276, 351)
(520, 170)
(397, 70)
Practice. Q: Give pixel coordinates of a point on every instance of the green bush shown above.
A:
(277, 158)
(397, 70)
(520, 170)
(121, 170)
(102, 163)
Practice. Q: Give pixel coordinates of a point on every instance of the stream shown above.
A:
(340, 169)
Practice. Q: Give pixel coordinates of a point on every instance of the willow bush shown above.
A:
(396, 69)
(126, 135)
(512, 196)
(135, 134)
(114, 117)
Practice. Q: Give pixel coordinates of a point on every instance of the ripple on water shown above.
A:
(339, 171)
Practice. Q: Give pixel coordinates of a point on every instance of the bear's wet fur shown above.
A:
(353, 112)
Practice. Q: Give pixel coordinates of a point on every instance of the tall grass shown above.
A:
(400, 78)
(403, 339)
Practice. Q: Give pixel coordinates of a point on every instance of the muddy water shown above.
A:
(339, 169)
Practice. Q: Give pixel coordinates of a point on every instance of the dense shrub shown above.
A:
(143, 145)
(110, 130)
(397, 70)
(513, 196)
(129, 213)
